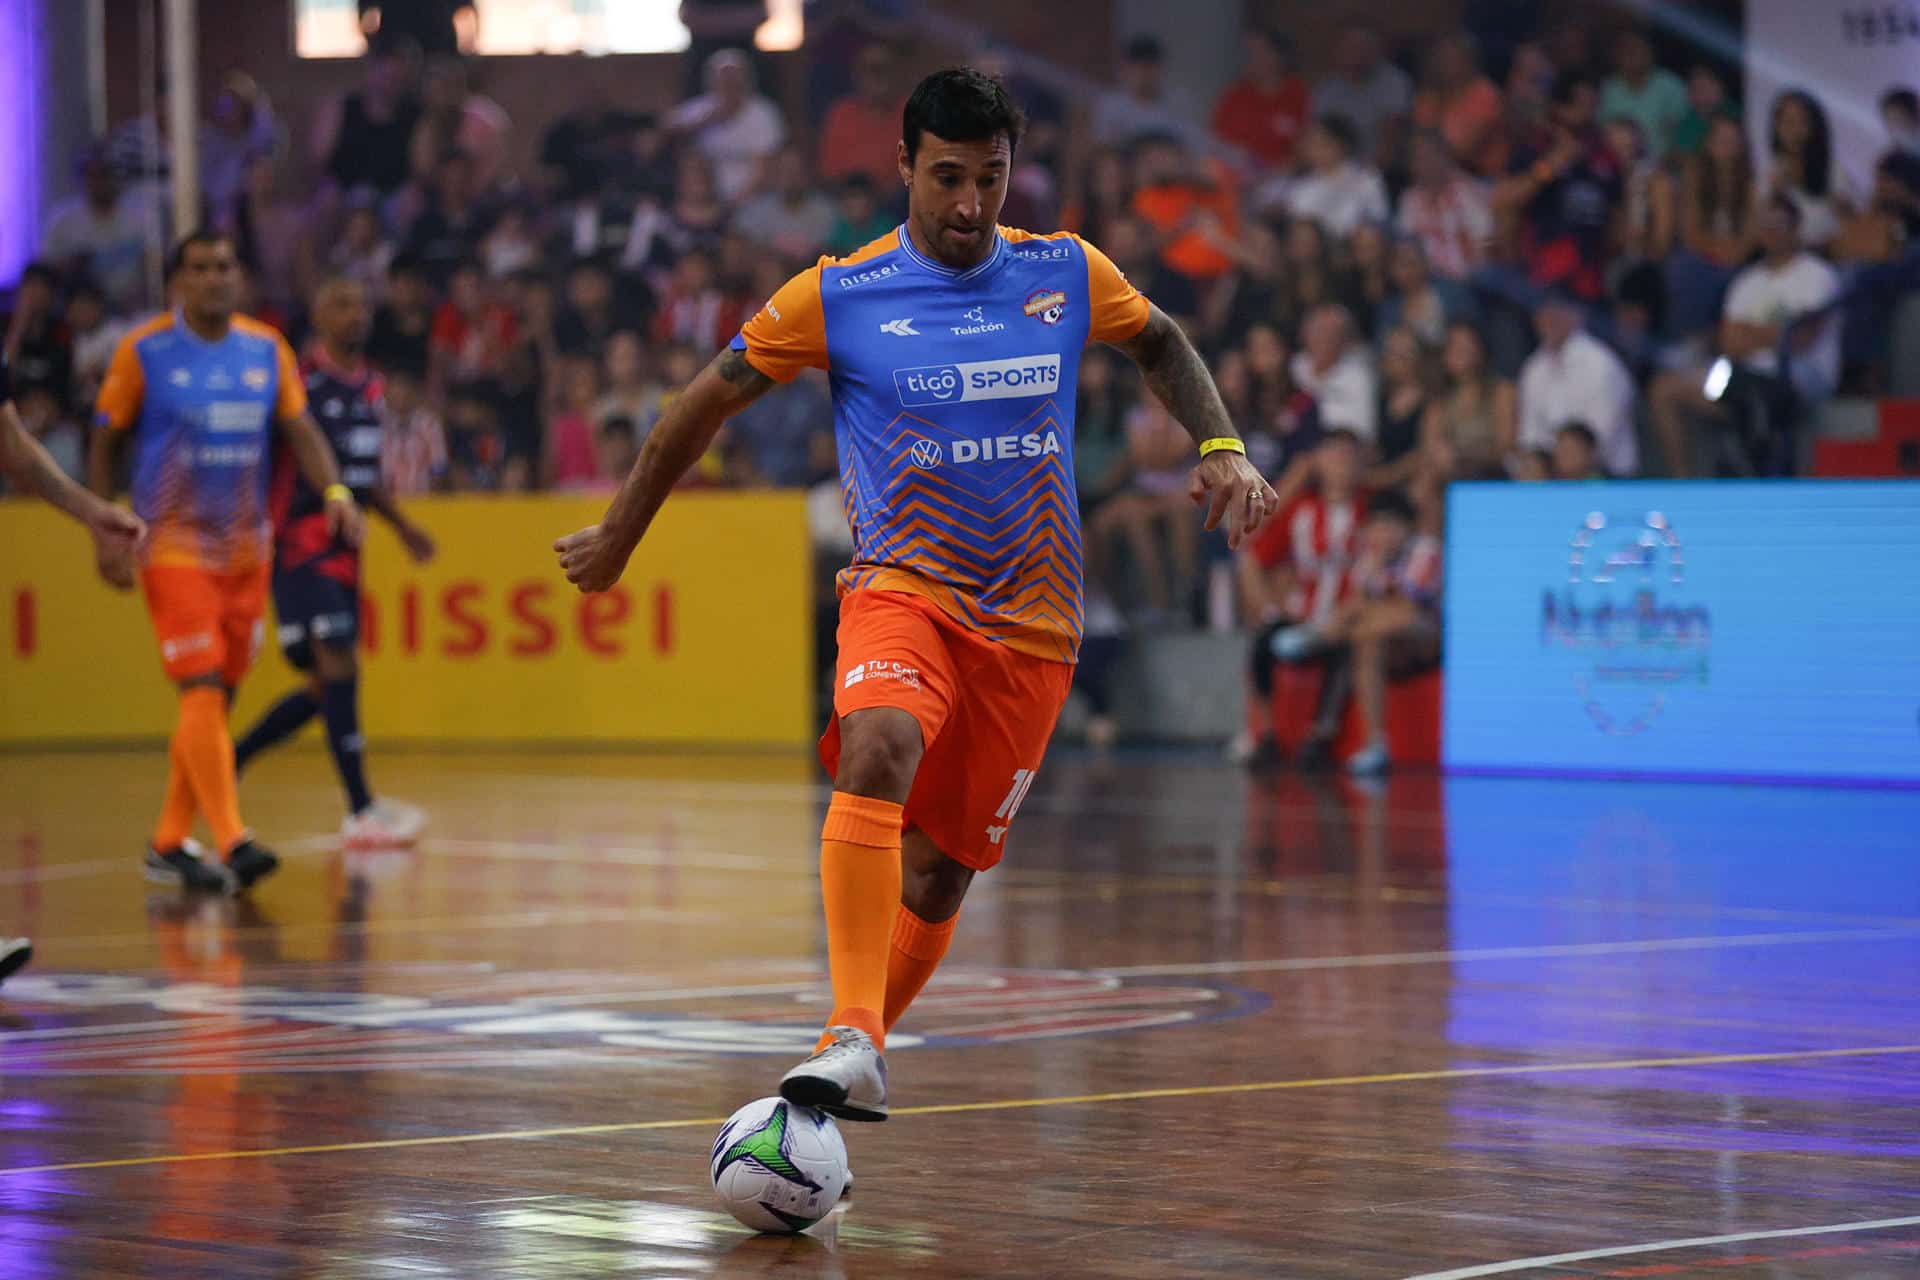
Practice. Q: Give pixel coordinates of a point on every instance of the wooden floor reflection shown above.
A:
(1196, 1026)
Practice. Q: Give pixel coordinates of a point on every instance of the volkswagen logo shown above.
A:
(926, 454)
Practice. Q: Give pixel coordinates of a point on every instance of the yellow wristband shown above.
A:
(1232, 444)
(338, 493)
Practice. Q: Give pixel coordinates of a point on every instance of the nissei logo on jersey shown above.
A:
(1044, 252)
(978, 380)
(859, 278)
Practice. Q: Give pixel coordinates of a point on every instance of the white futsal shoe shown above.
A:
(384, 824)
(847, 1079)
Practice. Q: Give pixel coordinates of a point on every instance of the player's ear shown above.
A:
(904, 161)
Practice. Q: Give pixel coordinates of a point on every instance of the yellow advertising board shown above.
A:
(706, 640)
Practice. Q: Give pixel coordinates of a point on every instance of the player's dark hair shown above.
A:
(1390, 503)
(204, 237)
(960, 104)
(1581, 430)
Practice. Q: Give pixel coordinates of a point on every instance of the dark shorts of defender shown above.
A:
(317, 602)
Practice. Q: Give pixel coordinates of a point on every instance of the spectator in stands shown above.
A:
(1100, 461)
(1310, 278)
(1458, 101)
(1153, 514)
(1334, 368)
(241, 130)
(456, 120)
(861, 129)
(1900, 112)
(693, 309)
(1293, 574)
(38, 344)
(859, 219)
(1130, 244)
(736, 128)
(110, 235)
(95, 335)
(435, 26)
(1574, 377)
(1419, 300)
(413, 443)
(1449, 213)
(1636, 277)
(1369, 264)
(1105, 193)
(1576, 453)
(1471, 427)
(616, 450)
(49, 420)
(1788, 285)
(471, 334)
(1529, 93)
(1707, 101)
(1263, 112)
(1189, 207)
(478, 458)
(776, 438)
(1144, 102)
(1566, 190)
(1368, 92)
(510, 246)
(1249, 295)
(403, 326)
(571, 460)
(1406, 392)
(1650, 96)
(1716, 207)
(1390, 625)
(1338, 191)
(630, 392)
(1800, 144)
(448, 232)
(270, 238)
(363, 253)
(792, 218)
(593, 312)
(1877, 232)
(365, 139)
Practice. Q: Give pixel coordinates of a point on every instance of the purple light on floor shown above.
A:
(21, 97)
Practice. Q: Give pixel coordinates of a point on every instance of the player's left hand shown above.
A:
(113, 525)
(344, 520)
(591, 559)
(1233, 488)
(419, 543)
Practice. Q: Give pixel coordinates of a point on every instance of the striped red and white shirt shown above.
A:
(1319, 541)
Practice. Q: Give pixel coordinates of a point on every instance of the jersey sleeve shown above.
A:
(291, 400)
(122, 390)
(789, 333)
(1118, 311)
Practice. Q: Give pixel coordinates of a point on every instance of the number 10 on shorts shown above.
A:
(1022, 783)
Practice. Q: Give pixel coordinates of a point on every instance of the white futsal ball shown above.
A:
(779, 1167)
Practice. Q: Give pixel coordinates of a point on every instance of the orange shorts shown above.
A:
(208, 623)
(985, 713)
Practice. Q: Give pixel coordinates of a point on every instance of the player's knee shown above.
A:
(333, 662)
(879, 751)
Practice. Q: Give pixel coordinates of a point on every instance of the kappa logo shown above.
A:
(978, 380)
(926, 454)
(900, 328)
(1047, 305)
(860, 672)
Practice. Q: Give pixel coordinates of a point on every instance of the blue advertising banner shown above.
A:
(1724, 628)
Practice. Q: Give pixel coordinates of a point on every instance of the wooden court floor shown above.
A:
(1196, 1026)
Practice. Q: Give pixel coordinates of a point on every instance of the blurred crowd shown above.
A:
(1565, 263)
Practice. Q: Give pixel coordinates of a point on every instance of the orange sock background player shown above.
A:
(197, 393)
(954, 346)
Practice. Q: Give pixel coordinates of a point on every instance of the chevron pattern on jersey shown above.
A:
(999, 550)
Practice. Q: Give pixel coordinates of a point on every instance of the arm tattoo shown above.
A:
(1177, 375)
(748, 382)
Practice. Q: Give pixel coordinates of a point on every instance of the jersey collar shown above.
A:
(993, 259)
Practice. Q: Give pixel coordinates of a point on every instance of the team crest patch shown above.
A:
(1048, 304)
(256, 378)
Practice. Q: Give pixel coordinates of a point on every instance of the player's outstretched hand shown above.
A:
(591, 560)
(344, 520)
(1231, 487)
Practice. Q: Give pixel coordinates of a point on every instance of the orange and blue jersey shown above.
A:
(202, 415)
(953, 398)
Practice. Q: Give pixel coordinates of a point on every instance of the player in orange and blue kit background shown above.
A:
(953, 348)
(198, 393)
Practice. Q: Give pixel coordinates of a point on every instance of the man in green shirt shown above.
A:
(1650, 96)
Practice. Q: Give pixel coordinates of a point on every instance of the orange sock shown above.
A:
(918, 947)
(204, 749)
(860, 881)
(176, 811)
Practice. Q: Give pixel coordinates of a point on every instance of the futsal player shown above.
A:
(26, 462)
(316, 574)
(953, 345)
(199, 394)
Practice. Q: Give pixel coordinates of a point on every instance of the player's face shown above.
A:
(209, 280)
(954, 194)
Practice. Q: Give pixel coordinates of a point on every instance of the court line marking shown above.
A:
(1707, 942)
(1009, 1104)
(1659, 1246)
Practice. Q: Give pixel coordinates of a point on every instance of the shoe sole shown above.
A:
(243, 883)
(829, 1096)
(15, 962)
(154, 875)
